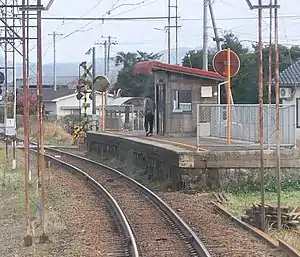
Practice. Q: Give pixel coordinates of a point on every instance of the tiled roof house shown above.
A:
(290, 77)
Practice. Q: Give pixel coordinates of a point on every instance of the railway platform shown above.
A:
(190, 143)
(214, 164)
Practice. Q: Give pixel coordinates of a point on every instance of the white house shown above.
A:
(63, 102)
(289, 83)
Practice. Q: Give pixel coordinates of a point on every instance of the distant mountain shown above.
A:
(71, 69)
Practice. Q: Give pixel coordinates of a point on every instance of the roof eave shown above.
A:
(189, 74)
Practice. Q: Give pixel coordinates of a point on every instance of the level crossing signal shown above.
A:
(2, 78)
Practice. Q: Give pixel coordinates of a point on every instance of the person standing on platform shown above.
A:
(149, 109)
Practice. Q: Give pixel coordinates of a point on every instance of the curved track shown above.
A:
(126, 244)
(158, 230)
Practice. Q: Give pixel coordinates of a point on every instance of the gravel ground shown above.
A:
(77, 222)
(222, 237)
(155, 237)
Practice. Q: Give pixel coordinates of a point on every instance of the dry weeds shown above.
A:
(77, 223)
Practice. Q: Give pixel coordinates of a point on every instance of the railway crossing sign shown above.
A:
(2, 77)
(220, 63)
(88, 71)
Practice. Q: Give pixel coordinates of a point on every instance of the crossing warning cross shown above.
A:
(87, 71)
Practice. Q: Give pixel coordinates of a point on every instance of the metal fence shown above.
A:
(212, 121)
(117, 117)
(121, 117)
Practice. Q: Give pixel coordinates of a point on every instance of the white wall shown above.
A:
(292, 101)
(73, 102)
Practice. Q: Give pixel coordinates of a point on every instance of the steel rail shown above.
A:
(191, 236)
(114, 206)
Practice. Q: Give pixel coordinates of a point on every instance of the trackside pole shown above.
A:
(228, 71)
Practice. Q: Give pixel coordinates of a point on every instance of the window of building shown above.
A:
(182, 100)
(75, 112)
(298, 112)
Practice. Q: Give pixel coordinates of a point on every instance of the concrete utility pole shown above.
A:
(108, 51)
(169, 27)
(217, 38)
(270, 55)
(105, 58)
(176, 32)
(107, 48)
(54, 35)
(205, 35)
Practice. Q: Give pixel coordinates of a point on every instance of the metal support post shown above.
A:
(94, 117)
(228, 71)
(85, 119)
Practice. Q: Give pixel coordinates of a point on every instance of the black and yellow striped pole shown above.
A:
(82, 91)
(85, 118)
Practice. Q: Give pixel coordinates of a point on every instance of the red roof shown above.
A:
(148, 67)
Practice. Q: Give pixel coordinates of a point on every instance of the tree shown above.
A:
(134, 84)
(32, 101)
(245, 83)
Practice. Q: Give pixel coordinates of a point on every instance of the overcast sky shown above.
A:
(79, 36)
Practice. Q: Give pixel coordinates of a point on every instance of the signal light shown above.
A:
(79, 96)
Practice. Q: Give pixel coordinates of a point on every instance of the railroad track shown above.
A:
(125, 245)
(151, 226)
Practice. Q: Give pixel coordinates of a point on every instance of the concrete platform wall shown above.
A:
(185, 169)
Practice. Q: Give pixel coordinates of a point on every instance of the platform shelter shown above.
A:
(178, 91)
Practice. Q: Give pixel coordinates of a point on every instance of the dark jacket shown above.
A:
(149, 106)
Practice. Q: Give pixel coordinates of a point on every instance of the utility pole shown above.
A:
(169, 27)
(105, 58)
(176, 32)
(213, 20)
(278, 169)
(108, 51)
(94, 117)
(28, 238)
(169, 31)
(205, 35)
(23, 37)
(107, 48)
(5, 86)
(54, 35)
(270, 55)
(260, 100)
(14, 161)
(41, 115)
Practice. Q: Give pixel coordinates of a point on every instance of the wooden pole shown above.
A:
(260, 115)
(278, 172)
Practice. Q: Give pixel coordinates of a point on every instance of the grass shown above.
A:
(54, 134)
(12, 197)
(238, 202)
(12, 192)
